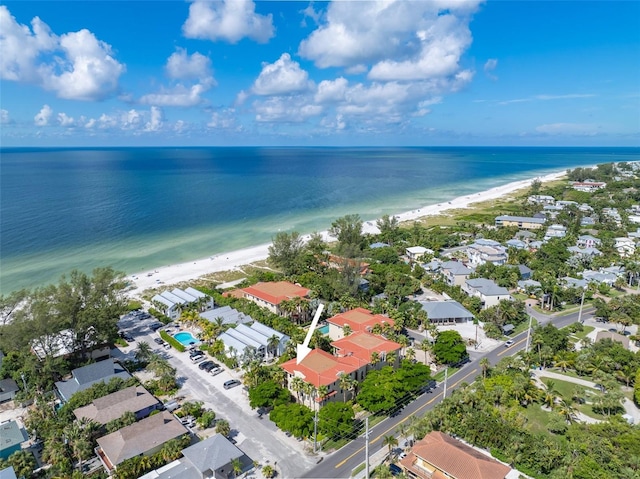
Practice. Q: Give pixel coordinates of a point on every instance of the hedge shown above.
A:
(172, 341)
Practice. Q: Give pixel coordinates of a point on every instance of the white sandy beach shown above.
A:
(228, 261)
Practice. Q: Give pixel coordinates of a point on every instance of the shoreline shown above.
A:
(192, 270)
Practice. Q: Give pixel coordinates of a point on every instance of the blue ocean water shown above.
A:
(141, 208)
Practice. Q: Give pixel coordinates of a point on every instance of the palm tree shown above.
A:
(308, 389)
(346, 330)
(237, 466)
(321, 392)
(272, 344)
(143, 351)
(297, 385)
(410, 354)
(375, 358)
(268, 471)
(171, 450)
(344, 385)
(391, 358)
(425, 347)
(390, 441)
(484, 364)
(223, 427)
(550, 393)
(567, 411)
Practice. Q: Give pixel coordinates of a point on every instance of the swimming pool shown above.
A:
(324, 329)
(186, 338)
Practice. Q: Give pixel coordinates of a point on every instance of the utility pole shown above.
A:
(315, 432)
(581, 304)
(446, 373)
(366, 447)
(529, 333)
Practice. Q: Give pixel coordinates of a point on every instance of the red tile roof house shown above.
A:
(358, 319)
(439, 456)
(352, 358)
(270, 295)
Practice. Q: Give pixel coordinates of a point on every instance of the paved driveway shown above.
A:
(259, 438)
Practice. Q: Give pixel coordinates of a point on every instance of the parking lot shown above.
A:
(257, 436)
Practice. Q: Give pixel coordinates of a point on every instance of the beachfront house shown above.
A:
(355, 320)
(488, 291)
(541, 200)
(226, 315)
(523, 222)
(64, 344)
(439, 456)
(173, 302)
(588, 186)
(270, 295)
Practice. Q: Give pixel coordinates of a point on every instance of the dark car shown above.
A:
(195, 352)
(231, 384)
(395, 470)
(158, 340)
(207, 365)
(127, 337)
(155, 326)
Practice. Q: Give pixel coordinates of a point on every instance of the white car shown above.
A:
(197, 358)
(216, 371)
(508, 343)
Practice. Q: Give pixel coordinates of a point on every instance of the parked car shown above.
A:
(197, 358)
(195, 352)
(155, 326)
(216, 370)
(231, 383)
(204, 365)
(127, 337)
(395, 470)
(158, 340)
(171, 406)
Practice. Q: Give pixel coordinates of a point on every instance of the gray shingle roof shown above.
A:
(437, 310)
(212, 453)
(141, 437)
(86, 376)
(112, 406)
(487, 287)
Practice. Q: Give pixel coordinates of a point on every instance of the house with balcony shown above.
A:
(439, 456)
(173, 302)
(588, 186)
(488, 291)
(588, 241)
(541, 200)
(357, 320)
(484, 252)
(270, 295)
(455, 273)
(555, 231)
(415, 253)
(522, 222)
(625, 246)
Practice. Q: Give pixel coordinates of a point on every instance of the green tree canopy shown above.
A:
(286, 252)
(268, 394)
(449, 347)
(336, 419)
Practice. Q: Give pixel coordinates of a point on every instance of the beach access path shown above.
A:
(188, 271)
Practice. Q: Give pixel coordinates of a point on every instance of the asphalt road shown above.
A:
(342, 462)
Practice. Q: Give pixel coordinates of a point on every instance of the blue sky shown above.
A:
(239, 72)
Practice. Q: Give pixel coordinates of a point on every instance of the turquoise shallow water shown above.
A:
(141, 208)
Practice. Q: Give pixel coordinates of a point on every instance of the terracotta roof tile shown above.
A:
(359, 319)
(276, 292)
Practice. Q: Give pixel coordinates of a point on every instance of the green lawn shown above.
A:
(537, 418)
(580, 335)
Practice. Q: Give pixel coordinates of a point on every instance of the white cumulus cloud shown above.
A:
(489, 66)
(230, 20)
(331, 90)
(4, 117)
(196, 78)
(155, 121)
(43, 116)
(82, 68)
(284, 76)
(65, 120)
(285, 109)
(182, 66)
